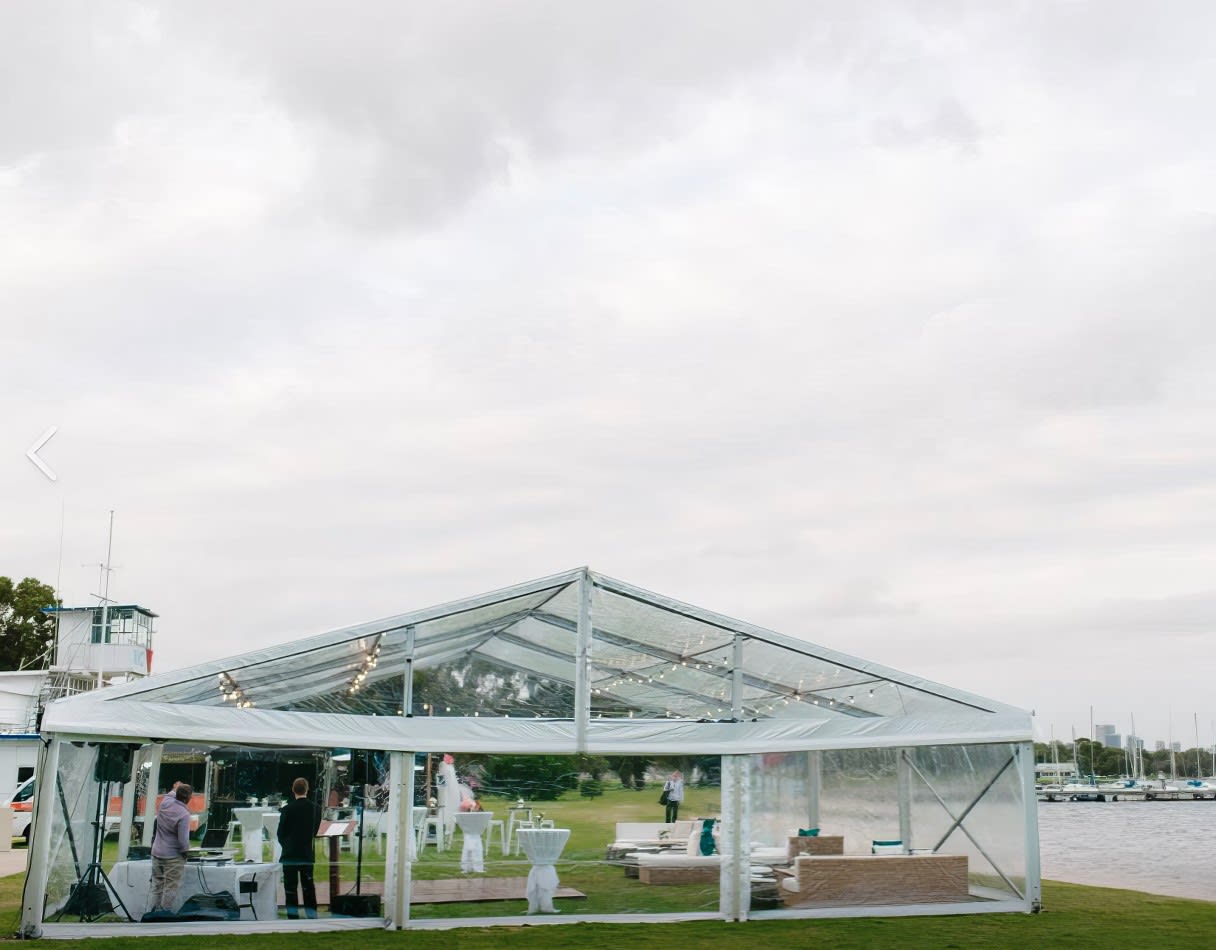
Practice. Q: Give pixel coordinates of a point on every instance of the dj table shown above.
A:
(132, 882)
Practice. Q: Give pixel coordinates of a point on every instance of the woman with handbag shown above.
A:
(673, 794)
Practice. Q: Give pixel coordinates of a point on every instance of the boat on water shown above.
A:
(1129, 790)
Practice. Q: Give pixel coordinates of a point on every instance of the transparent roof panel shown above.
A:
(513, 653)
(628, 621)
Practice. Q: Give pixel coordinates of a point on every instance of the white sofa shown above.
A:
(689, 868)
(631, 835)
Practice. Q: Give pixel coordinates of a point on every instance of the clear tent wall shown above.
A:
(591, 670)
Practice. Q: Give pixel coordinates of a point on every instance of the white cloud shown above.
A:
(883, 327)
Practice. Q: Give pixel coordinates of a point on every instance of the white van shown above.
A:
(22, 804)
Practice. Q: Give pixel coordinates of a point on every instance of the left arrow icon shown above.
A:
(32, 452)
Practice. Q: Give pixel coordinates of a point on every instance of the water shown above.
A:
(1159, 847)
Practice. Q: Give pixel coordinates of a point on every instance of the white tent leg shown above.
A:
(1034, 883)
(734, 881)
(154, 755)
(128, 806)
(398, 866)
(40, 842)
(904, 776)
(814, 787)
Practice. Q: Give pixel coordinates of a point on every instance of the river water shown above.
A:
(1158, 847)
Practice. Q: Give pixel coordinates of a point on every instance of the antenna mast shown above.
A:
(105, 604)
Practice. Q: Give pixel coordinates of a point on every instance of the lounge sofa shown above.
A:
(876, 879)
(633, 835)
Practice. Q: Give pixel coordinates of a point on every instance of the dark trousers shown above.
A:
(301, 873)
(673, 812)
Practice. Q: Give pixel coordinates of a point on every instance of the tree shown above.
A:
(631, 769)
(24, 629)
(533, 777)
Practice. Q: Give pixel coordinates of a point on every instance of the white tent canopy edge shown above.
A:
(135, 721)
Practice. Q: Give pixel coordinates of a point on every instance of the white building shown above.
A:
(93, 647)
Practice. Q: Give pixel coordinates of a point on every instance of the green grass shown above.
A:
(1075, 917)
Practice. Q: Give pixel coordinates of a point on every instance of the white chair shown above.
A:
(519, 826)
(502, 834)
(432, 831)
(418, 830)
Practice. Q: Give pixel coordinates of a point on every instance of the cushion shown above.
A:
(887, 847)
(808, 832)
(694, 844)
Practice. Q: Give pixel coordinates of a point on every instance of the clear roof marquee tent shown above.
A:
(575, 662)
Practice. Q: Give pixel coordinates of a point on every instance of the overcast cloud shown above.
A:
(890, 328)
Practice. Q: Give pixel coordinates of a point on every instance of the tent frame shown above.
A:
(135, 713)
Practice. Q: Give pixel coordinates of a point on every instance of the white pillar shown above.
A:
(1034, 883)
(40, 840)
(734, 881)
(736, 679)
(814, 787)
(903, 770)
(128, 806)
(154, 755)
(398, 869)
(582, 662)
(407, 684)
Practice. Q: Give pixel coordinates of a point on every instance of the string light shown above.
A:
(230, 691)
(370, 658)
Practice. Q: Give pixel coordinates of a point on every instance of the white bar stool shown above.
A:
(519, 826)
(502, 834)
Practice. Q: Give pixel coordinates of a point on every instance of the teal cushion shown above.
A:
(808, 832)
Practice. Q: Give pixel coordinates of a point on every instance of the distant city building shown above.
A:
(1133, 743)
(1159, 746)
(1175, 746)
(1105, 734)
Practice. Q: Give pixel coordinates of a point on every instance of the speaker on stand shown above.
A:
(93, 896)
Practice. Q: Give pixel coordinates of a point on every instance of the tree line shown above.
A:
(25, 630)
(1094, 758)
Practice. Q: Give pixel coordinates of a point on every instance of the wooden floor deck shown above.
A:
(451, 890)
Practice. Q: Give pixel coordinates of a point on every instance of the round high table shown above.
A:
(472, 825)
(543, 846)
(251, 831)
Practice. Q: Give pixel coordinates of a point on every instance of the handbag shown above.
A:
(665, 797)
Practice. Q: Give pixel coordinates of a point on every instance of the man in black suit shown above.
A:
(298, 826)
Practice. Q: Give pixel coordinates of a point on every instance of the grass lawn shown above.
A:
(1076, 918)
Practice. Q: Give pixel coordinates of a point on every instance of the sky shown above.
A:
(887, 326)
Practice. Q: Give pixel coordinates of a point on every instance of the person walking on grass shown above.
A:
(673, 788)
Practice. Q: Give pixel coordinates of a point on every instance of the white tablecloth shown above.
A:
(543, 846)
(251, 830)
(472, 825)
(270, 819)
(132, 882)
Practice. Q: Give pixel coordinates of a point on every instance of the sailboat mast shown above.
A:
(1137, 753)
(1198, 764)
(1173, 765)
